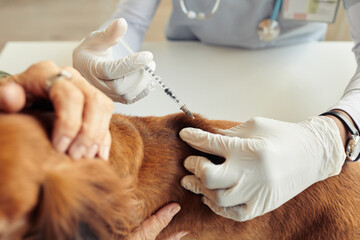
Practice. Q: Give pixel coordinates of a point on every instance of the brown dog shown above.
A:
(46, 195)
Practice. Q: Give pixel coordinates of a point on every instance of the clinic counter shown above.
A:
(289, 83)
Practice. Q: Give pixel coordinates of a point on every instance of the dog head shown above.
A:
(45, 194)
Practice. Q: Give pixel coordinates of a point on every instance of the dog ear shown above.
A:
(85, 192)
(45, 193)
(19, 175)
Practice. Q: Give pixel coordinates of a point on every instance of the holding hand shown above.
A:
(152, 226)
(123, 80)
(82, 112)
(268, 162)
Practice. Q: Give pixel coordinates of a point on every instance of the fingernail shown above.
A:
(78, 152)
(183, 132)
(187, 132)
(184, 183)
(205, 200)
(104, 154)
(92, 151)
(175, 209)
(62, 143)
(190, 162)
(121, 21)
(181, 234)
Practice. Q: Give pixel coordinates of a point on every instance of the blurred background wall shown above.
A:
(58, 20)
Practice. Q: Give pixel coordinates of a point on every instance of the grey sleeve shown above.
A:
(349, 3)
(138, 14)
(353, 15)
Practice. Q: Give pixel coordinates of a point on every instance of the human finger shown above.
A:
(67, 99)
(68, 102)
(12, 96)
(224, 197)
(104, 150)
(211, 175)
(253, 128)
(178, 236)
(152, 226)
(234, 131)
(96, 116)
(237, 213)
(193, 184)
(103, 39)
(33, 80)
(206, 142)
(30, 83)
(109, 69)
(132, 87)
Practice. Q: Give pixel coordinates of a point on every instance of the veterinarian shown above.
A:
(268, 162)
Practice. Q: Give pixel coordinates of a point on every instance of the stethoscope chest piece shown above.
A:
(268, 30)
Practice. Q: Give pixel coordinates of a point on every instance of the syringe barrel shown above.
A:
(166, 89)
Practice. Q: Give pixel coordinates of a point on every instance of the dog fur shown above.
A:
(47, 195)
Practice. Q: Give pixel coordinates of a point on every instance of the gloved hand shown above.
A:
(123, 80)
(268, 162)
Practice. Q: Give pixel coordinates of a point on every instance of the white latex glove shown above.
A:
(123, 80)
(268, 162)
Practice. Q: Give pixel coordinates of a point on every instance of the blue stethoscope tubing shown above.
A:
(276, 10)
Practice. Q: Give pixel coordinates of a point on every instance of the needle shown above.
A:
(166, 89)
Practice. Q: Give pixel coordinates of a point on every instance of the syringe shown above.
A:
(157, 79)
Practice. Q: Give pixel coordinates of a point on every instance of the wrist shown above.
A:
(342, 129)
(348, 131)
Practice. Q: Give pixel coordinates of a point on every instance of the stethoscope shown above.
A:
(267, 30)
(201, 16)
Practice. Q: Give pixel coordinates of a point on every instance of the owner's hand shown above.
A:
(152, 226)
(268, 162)
(124, 79)
(82, 112)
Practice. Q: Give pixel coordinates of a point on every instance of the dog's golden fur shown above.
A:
(46, 195)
